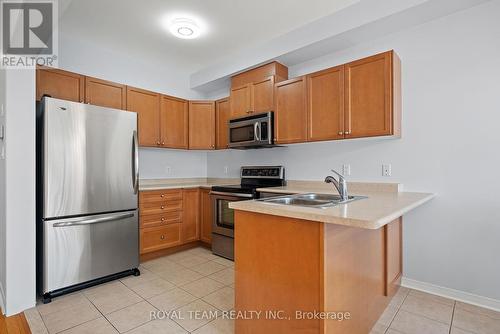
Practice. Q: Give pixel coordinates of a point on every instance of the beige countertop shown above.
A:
(385, 203)
(159, 184)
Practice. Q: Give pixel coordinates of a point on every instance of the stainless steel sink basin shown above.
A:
(311, 200)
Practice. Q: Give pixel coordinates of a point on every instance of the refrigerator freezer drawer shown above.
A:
(78, 250)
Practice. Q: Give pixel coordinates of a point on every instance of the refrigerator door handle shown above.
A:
(135, 162)
(94, 220)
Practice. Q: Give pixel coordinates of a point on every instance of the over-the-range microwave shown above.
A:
(254, 131)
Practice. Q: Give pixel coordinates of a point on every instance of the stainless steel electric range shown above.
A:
(252, 177)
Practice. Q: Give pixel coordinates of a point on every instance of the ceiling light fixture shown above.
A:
(185, 28)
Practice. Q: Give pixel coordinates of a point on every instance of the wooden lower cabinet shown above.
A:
(206, 216)
(157, 238)
(394, 255)
(336, 269)
(174, 217)
(190, 219)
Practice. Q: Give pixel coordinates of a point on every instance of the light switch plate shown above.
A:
(346, 169)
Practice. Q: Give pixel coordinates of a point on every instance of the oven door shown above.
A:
(223, 222)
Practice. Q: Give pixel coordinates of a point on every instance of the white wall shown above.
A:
(163, 163)
(3, 190)
(17, 197)
(95, 60)
(451, 71)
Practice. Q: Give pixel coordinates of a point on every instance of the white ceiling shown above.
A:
(134, 26)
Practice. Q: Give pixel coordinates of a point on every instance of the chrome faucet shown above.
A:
(341, 185)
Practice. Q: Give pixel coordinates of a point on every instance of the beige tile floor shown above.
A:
(197, 280)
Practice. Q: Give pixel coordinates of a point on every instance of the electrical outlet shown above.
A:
(226, 169)
(168, 170)
(386, 170)
(346, 169)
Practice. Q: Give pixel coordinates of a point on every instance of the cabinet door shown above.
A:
(59, 84)
(105, 93)
(368, 96)
(240, 101)
(206, 216)
(174, 122)
(147, 106)
(325, 107)
(222, 118)
(202, 125)
(190, 217)
(291, 111)
(263, 95)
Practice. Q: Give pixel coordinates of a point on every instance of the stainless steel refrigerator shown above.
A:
(88, 230)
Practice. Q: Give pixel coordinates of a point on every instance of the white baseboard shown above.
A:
(469, 298)
(2, 300)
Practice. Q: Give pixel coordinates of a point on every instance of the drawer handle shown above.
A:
(162, 237)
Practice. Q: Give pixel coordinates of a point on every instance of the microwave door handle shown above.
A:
(256, 131)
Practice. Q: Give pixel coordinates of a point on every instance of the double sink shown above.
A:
(311, 200)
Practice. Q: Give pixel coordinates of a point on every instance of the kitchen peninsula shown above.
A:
(345, 258)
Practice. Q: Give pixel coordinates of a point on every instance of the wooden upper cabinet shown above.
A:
(263, 95)
(202, 125)
(370, 86)
(241, 101)
(222, 118)
(291, 111)
(279, 71)
(325, 105)
(147, 106)
(206, 216)
(59, 84)
(190, 215)
(174, 122)
(105, 93)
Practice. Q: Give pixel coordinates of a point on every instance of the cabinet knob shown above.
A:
(162, 195)
(157, 143)
(163, 143)
(341, 133)
(162, 219)
(162, 207)
(347, 132)
(162, 237)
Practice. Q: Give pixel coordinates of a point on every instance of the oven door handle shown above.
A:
(231, 194)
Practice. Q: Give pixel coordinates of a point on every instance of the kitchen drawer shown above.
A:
(159, 195)
(156, 208)
(156, 238)
(166, 218)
